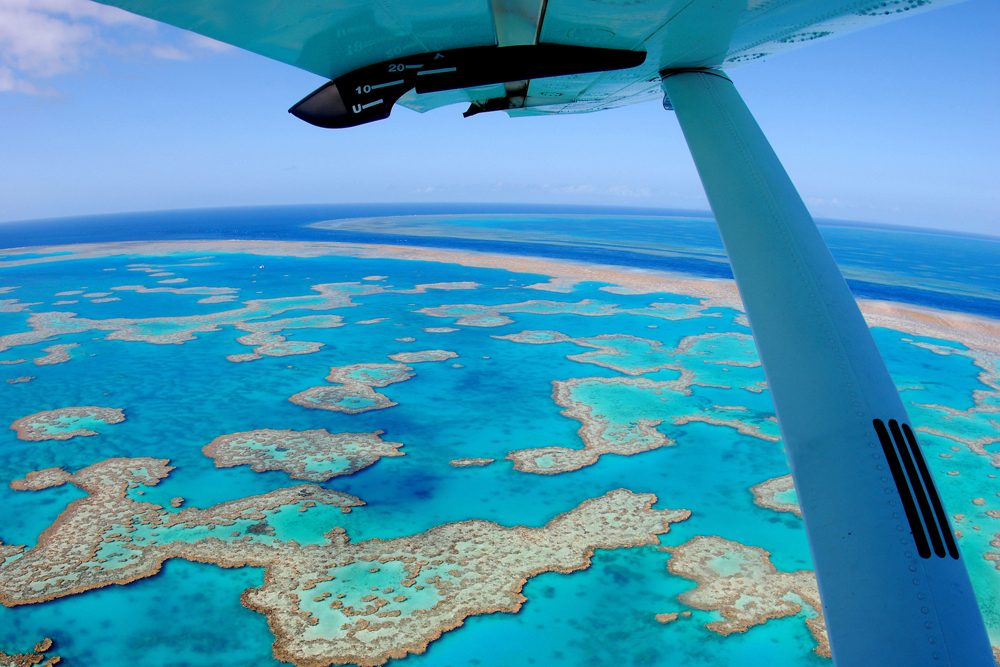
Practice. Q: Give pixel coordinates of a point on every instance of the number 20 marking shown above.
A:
(396, 67)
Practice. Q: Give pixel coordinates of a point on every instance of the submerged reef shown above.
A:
(328, 601)
(66, 423)
(423, 356)
(315, 455)
(621, 415)
(478, 315)
(994, 556)
(36, 657)
(567, 274)
(266, 339)
(180, 329)
(354, 389)
(740, 583)
(726, 360)
(470, 462)
(262, 335)
(379, 599)
(55, 354)
(976, 427)
(619, 352)
(778, 494)
(107, 537)
(441, 286)
(15, 305)
(601, 433)
(211, 294)
(671, 616)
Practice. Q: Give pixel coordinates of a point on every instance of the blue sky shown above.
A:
(102, 112)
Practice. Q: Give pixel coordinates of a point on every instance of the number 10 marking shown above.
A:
(367, 89)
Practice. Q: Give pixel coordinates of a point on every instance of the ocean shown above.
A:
(530, 360)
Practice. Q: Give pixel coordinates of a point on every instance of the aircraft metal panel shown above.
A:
(334, 39)
(428, 101)
(330, 40)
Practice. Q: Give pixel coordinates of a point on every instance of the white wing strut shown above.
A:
(894, 588)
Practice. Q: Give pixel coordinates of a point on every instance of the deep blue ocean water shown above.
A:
(179, 397)
(924, 267)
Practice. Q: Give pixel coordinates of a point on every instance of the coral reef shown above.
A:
(315, 455)
(328, 602)
(66, 423)
(741, 584)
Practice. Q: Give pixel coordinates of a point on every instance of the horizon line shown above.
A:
(543, 207)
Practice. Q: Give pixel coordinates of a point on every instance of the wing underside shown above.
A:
(334, 39)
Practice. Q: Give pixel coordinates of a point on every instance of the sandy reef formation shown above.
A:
(209, 294)
(256, 317)
(55, 354)
(423, 356)
(331, 601)
(619, 352)
(740, 583)
(267, 340)
(66, 423)
(108, 537)
(15, 305)
(354, 388)
(978, 333)
(600, 434)
(723, 360)
(471, 462)
(778, 494)
(421, 586)
(314, 455)
(994, 556)
(622, 415)
(478, 315)
(180, 329)
(978, 426)
(36, 657)
(441, 286)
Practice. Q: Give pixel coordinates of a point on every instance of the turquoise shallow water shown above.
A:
(495, 397)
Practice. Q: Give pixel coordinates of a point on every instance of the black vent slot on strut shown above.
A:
(924, 511)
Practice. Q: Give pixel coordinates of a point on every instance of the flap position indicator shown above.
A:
(368, 94)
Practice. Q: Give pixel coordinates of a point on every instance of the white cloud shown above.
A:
(169, 52)
(207, 43)
(40, 39)
(630, 191)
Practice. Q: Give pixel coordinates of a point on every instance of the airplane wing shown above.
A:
(334, 39)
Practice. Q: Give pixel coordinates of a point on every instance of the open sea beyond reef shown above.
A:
(513, 365)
